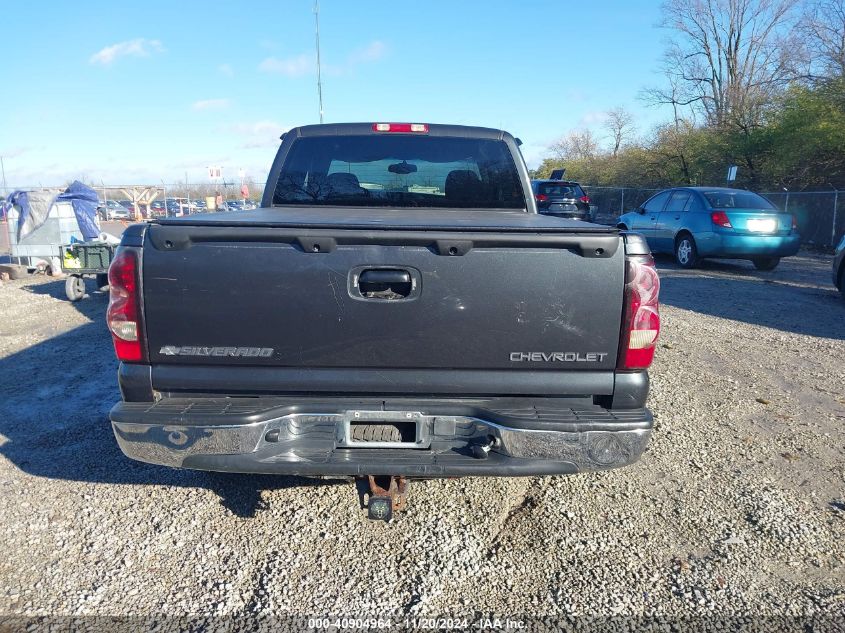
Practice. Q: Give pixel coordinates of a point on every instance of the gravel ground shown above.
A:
(736, 510)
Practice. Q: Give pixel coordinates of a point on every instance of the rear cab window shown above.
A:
(400, 171)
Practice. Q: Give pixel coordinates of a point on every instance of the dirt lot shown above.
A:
(737, 508)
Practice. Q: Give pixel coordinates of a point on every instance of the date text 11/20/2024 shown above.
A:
(431, 624)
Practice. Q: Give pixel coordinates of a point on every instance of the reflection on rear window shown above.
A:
(737, 200)
(564, 191)
(400, 171)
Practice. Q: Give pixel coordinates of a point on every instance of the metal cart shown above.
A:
(85, 259)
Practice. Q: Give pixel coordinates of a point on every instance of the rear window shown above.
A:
(563, 191)
(400, 171)
(737, 200)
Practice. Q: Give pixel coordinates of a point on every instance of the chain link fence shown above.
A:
(820, 214)
(199, 192)
(194, 192)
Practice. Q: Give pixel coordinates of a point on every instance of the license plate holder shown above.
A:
(762, 225)
(421, 437)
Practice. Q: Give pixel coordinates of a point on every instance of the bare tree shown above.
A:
(620, 124)
(727, 57)
(823, 30)
(577, 145)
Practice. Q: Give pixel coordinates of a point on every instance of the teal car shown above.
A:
(839, 266)
(696, 222)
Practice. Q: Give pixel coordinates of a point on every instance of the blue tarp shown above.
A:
(33, 213)
(84, 201)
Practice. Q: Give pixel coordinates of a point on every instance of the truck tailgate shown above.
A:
(504, 296)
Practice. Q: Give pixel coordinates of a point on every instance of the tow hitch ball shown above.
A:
(383, 502)
(480, 451)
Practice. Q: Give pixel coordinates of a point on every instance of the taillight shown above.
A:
(585, 199)
(720, 218)
(401, 127)
(124, 312)
(641, 316)
(541, 197)
(794, 223)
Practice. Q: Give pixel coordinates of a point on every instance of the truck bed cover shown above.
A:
(417, 219)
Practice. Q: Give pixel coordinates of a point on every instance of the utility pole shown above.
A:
(319, 81)
(3, 169)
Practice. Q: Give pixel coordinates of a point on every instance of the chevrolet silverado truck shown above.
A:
(396, 308)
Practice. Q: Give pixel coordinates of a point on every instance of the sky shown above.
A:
(157, 92)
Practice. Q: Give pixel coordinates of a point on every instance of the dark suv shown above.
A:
(561, 198)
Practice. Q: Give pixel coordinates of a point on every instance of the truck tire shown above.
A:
(102, 281)
(75, 287)
(686, 254)
(376, 433)
(766, 263)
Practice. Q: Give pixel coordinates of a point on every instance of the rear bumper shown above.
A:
(732, 245)
(580, 214)
(258, 435)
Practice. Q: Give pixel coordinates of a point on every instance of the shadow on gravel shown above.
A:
(94, 299)
(797, 298)
(54, 403)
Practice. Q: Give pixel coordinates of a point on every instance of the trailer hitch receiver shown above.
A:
(383, 502)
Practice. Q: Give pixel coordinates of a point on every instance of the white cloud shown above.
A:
(305, 64)
(226, 69)
(534, 154)
(592, 118)
(14, 152)
(264, 133)
(289, 66)
(372, 52)
(259, 127)
(261, 142)
(211, 104)
(139, 47)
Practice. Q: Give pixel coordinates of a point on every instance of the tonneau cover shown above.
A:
(369, 218)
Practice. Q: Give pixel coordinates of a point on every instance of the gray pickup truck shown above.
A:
(397, 307)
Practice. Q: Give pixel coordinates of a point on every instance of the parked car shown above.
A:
(178, 206)
(130, 206)
(120, 214)
(697, 222)
(112, 210)
(562, 198)
(241, 205)
(417, 339)
(158, 208)
(839, 267)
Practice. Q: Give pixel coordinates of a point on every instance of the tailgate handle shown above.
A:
(385, 283)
